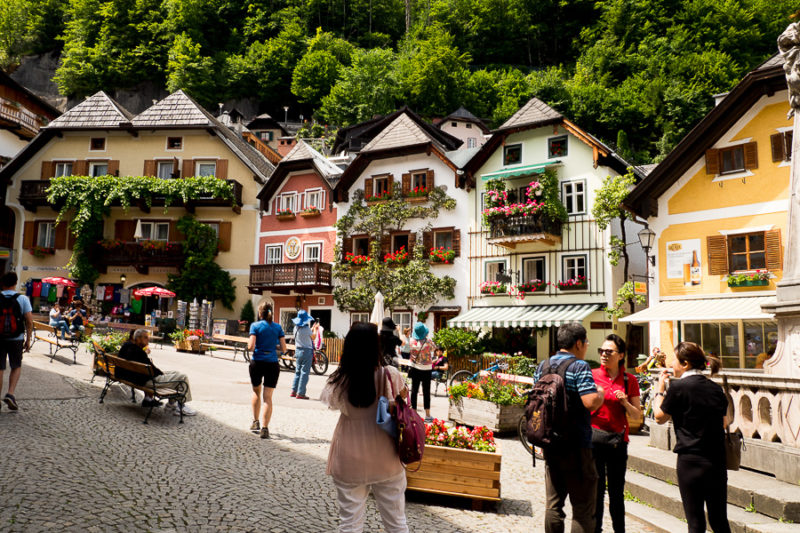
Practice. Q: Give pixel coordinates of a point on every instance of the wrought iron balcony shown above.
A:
(283, 278)
(512, 230)
(139, 255)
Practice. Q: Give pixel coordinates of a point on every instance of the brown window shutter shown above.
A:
(225, 236)
(391, 185)
(367, 187)
(787, 145)
(71, 238)
(222, 169)
(772, 238)
(113, 167)
(80, 168)
(776, 141)
(457, 242)
(406, 183)
(61, 236)
(29, 235)
(717, 255)
(427, 243)
(751, 155)
(176, 168)
(712, 162)
(124, 230)
(175, 235)
(188, 168)
(149, 168)
(412, 240)
(48, 170)
(429, 179)
(347, 246)
(386, 244)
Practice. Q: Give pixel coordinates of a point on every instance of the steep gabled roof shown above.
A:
(400, 133)
(48, 109)
(176, 110)
(301, 157)
(765, 80)
(533, 113)
(463, 114)
(99, 111)
(265, 121)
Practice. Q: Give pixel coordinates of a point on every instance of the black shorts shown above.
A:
(265, 371)
(12, 349)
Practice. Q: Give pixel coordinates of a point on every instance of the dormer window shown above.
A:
(174, 143)
(454, 124)
(97, 144)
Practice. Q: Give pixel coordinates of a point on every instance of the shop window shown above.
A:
(361, 246)
(274, 254)
(574, 196)
(174, 143)
(722, 339)
(512, 154)
(747, 252)
(358, 317)
(97, 144)
(760, 341)
(46, 235)
(63, 169)
(557, 146)
(533, 268)
(165, 169)
(574, 266)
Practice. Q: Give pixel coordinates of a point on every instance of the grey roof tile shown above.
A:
(97, 111)
(402, 131)
(302, 151)
(531, 114)
(177, 109)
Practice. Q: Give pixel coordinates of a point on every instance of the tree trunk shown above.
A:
(408, 16)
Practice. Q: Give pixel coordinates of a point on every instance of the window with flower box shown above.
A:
(382, 185)
(744, 251)
(533, 268)
(287, 202)
(574, 267)
(445, 241)
(557, 146)
(46, 234)
(417, 183)
(154, 231)
(360, 246)
(495, 269)
(512, 154)
(314, 199)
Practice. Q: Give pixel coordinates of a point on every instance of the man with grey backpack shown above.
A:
(16, 330)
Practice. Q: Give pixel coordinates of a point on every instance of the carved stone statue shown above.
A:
(789, 48)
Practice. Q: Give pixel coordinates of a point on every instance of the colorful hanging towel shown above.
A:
(109, 295)
(52, 296)
(136, 305)
(45, 290)
(37, 288)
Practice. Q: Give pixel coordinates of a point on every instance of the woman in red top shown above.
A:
(610, 429)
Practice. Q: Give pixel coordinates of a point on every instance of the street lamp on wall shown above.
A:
(647, 238)
(123, 278)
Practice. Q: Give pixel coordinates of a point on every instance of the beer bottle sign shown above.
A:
(694, 271)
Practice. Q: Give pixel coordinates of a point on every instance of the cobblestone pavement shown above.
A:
(69, 463)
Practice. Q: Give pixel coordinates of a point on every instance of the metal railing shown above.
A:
(516, 225)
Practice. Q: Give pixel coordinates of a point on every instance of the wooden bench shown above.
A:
(165, 390)
(54, 343)
(239, 345)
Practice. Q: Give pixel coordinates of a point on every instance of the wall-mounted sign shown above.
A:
(640, 287)
(683, 261)
(292, 247)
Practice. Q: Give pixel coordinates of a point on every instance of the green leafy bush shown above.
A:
(457, 341)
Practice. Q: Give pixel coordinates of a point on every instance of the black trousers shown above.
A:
(569, 472)
(611, 463)
(703, 483)
(420, 377)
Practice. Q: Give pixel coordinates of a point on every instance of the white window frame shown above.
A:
(273, 247)
(166, 144)
(153, 226)
(315, 198)
(159, 164)
(532, 259)
(94, 164)
(63, 168)
(508, 146)
(572, 194)
(358, 316)
(487, 264)
(354, 244)
(283, 201)
(566, 269)
(199, 164)
(402, 319)
(419, 175)
(46, 234)
(376, 179)
(472, 142)
(443, 231)
(103, 149)
(309, 246)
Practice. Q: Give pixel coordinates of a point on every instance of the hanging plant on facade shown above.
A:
(542, 200)
(407, 283)
(87, 200)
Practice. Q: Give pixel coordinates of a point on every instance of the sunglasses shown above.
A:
(601, 351)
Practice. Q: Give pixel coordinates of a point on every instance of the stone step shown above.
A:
(746, 489)
(666, 513)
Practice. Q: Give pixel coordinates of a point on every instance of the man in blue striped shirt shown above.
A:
(569, 469)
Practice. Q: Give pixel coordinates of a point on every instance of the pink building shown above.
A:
(297, 237)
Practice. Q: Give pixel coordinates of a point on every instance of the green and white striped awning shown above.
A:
(528, 316)
(523, 170)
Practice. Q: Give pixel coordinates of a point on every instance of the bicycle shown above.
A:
(319, 361)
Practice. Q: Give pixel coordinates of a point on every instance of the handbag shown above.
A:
(383, 416)
(734, 442)
(410, 432)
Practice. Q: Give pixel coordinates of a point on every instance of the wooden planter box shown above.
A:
(189, 346)
(498, 418)
(749, 283)
(456, 472)
(310, 214)
(285, 216)
(416, 199)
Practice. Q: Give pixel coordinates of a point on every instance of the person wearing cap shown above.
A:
(303, 353)
(422, 350)
(389, 341)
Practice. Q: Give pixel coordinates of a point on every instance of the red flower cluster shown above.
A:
(396, 258)
(442, 255)
(417, 192)
(112, 244)
(378, 198)
(356, 259)
(281, 212)
(573, 283)
(151, 246)
(440, 433)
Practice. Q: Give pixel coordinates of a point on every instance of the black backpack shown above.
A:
(547, 410)
(12, 323)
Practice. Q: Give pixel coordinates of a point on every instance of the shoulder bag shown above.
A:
(384, 417)
(410, 432)
(610, 439)
(734, 443)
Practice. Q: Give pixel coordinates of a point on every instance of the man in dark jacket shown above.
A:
(136, 350)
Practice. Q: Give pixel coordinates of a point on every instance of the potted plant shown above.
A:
(398, 257)
(442, 255)
(41, 251)
(356, 260)
(759, 278)
(110, 244)
(310, 212)
(382, 197)
(457, 460)
(492, 288)
(419, 193)
(284, 214)
(490, 402)
(574, 284)
(188, 340)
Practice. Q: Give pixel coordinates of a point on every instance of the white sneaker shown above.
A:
(187, 410)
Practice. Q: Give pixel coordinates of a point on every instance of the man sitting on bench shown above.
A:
(136, 350)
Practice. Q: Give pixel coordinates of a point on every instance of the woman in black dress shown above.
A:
(697, 407)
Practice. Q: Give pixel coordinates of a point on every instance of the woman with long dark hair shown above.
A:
(265, 337)
(362, 455)
(610, 430)
(697, 407)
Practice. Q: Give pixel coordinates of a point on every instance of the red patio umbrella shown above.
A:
(154, 291)
(56, 280)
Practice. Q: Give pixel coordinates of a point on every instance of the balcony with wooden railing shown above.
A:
(283, 278)
(140, 255)
(265, 149)
(33, 194)
(509, 231)
(19, 119)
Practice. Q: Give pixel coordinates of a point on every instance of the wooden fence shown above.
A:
(333, 349)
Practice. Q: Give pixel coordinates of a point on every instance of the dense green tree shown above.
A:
(189, 70)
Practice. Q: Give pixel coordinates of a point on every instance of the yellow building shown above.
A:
(173, 139)
(718, 207)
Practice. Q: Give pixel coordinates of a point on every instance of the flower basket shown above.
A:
(310, 212)
(575, 284)
(442, 255)
(356, 260)
(285, 215)
(749, 283)
(457, 472)
(474, 412)
(189, 346)
(759, 278)
(41, 251)
(400, 257)
(492, 288)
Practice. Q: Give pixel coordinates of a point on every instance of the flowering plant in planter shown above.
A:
(399, 257)
(41, 251)
(310, 211)
(378, 197)
(492, 287)
(180, 335)
(735, 280)
(110, 244)
(490, 389)
(574, 283)
(519, 291)
(357, 260)
(448, 435)
(284, 212)
(151, 246)
(418, 192)
(442, 255)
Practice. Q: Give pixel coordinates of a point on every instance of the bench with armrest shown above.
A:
(50, 335)
(164, 390)
(238, 344)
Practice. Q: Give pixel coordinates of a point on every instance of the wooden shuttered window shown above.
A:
(29, 235)
(175, 235)
(347, 247)
(48, 169)
(712, 162)
(429, 179)
(225, 236)
(781, 144)
(113, 167)
(188, 168)
(368, 188)
(457, 242)
(412, 240)
(71, 238)
(149, 167)
(222, 169)
(774, 249)
(750, 156)
(124, 230)
(717, 255)
(406, 184)
(80, 168)
(386, 244)
(747, 154)
(427, 243)
(61, 236)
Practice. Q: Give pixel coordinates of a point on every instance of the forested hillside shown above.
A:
(637, 73)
